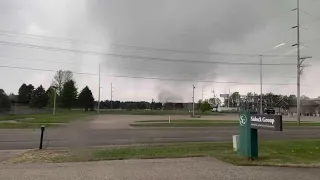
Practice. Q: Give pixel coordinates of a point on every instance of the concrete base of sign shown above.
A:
(235, 140)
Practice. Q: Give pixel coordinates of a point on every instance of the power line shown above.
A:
(139, 57)
(45, 70)
(313, 1)
(131, 69)
(315, 18)
(313, 40)
(40, 60)
(151, 78)
(310, 22)
(57, 39)
(130, 47)
(311, 15)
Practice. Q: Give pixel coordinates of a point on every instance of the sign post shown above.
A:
(248, 131)
(248, 138)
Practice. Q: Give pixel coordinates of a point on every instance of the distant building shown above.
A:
(308, 107)
(179, 106)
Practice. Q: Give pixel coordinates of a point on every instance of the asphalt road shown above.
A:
(81, 136)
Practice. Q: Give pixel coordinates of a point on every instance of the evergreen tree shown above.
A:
(50, 93)
(39, 98)
(69, 95)
(205, 106)
(5, 103)
(86, 100)
(24, 94)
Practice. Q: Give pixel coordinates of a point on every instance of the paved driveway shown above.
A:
(165, 169)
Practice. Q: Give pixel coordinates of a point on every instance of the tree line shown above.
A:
(63, 91)
(253, 99)
(250, 101)
(130, 105)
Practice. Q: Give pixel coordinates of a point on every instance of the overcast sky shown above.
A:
(229, 26)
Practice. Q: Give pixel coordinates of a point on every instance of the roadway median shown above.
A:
(32, 121)
(207, 123)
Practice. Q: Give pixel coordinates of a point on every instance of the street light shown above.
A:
(54, 100)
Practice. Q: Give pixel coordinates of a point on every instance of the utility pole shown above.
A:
(111, 91)
(261, 111)
(214, 102)
(54, 101)
(214, 97)
(193, 87)
(202, 93)
(99, 91)
(299, 60)
(152, 104)
(229, 98)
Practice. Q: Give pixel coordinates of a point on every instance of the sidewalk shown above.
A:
(156, 169)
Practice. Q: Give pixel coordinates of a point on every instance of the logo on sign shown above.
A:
(243, 119)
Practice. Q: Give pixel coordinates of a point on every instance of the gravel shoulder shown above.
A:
(157, 169)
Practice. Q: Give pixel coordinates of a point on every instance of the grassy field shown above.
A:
(36, 120)
(271, 153)
(205, 123)
(184, 123)
(159, 112)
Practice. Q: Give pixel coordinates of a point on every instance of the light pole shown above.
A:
(111, 96)
(261, 111)
(193, 87)
(54, 100)
(229, 99)
(99, 92)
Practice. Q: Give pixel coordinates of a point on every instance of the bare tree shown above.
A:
(60, 78)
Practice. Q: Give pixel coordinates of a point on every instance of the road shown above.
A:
(156, 169)
(115, 130)
(28, 139)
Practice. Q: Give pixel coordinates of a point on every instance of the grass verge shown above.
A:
(160, 112)
(206, 123)
(302, 153)
(36, 120)
(24, 125)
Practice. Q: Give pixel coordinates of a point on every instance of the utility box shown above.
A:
(235, 140)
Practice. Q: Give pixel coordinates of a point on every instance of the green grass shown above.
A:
(178, 124)
(271, 153)
(189, 121)
(12, 117)
(25, 125)
(184, 123)
(206, 123)
(158, 112)
(281, 153)
(36, 120)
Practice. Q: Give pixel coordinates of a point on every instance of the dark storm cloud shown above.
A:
(246, 26)
(180, 24)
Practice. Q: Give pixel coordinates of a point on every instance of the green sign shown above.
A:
(248, 131)
(248, 138)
